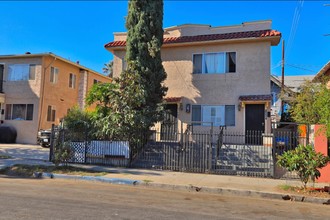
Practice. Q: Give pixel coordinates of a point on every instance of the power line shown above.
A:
(294, 26)
(277, 65)
(298, 67)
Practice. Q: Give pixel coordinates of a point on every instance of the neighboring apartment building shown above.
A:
(37, 90)
(215, 74)
(291, 86)
(323, 74)
(279, 98)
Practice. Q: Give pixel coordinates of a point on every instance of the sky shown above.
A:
(78, 30)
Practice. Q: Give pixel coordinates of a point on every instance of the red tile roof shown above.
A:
(173, 99)
(255, 97)
(209, 37)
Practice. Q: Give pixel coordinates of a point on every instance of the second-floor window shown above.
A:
(54, 74)
(19, 112)
(72, 81)
(21, 72)
(214, 63)
(51, 113)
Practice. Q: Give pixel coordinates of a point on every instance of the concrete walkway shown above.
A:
(237, 185)
(26, 151)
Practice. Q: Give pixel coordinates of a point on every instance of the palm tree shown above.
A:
(108, 69)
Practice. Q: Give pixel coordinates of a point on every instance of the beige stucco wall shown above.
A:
(23, 92)
(252, 76)
(195, 29)
(198, 29)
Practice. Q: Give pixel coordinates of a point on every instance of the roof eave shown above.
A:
(51, 55)
(324, 69)
(273, 39)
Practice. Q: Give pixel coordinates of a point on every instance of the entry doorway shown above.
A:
(169, 126)
(254, 123)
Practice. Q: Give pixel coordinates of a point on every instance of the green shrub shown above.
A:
(63, 154)
(305, 161)
(79, 124)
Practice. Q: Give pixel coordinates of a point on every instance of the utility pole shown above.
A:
(282, 66)
(282, 87)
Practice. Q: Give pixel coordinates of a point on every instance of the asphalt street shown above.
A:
(67, 199)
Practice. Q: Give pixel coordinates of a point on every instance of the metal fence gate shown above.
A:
(193, 153)
(84, 150)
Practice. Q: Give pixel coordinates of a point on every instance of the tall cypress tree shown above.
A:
(144, 40)
(129, 105)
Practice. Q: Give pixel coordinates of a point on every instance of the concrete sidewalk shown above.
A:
(220, 184)
(198, 180)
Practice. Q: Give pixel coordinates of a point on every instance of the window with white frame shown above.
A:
(19, 112)
(72, 81)
(54, 74)
(214, 63)
(219, 115)
(51, 113)
(21, 72)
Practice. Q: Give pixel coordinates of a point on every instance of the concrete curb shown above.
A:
(90, 178)
(191, 188)
(238, 192)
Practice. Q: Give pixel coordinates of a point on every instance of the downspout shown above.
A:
(84, 107)
(43, 91)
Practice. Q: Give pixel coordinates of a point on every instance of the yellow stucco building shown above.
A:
(37, 90)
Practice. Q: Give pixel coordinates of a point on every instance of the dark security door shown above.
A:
(1, 78)
(169, 125)
(254, 123)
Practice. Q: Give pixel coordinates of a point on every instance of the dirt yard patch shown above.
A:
(321, 192)
(29, 170)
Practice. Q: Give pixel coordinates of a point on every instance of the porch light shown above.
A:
(187, 108)
(181, 106)
(239, 106)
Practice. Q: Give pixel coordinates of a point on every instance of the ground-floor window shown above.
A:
(219, 115)
(19, 112)
(51, 113)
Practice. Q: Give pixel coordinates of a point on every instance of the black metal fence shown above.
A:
(250, 153)
(84, 150)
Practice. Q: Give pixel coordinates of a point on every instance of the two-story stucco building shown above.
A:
(215, 74)
(37, 90)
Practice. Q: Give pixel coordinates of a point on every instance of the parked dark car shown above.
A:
(8, 134)
(43, 138)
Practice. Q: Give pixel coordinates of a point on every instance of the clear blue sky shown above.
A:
(78, 30)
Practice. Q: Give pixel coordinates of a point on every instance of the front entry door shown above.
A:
(254, 123)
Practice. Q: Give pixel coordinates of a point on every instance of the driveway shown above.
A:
(25, 151)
